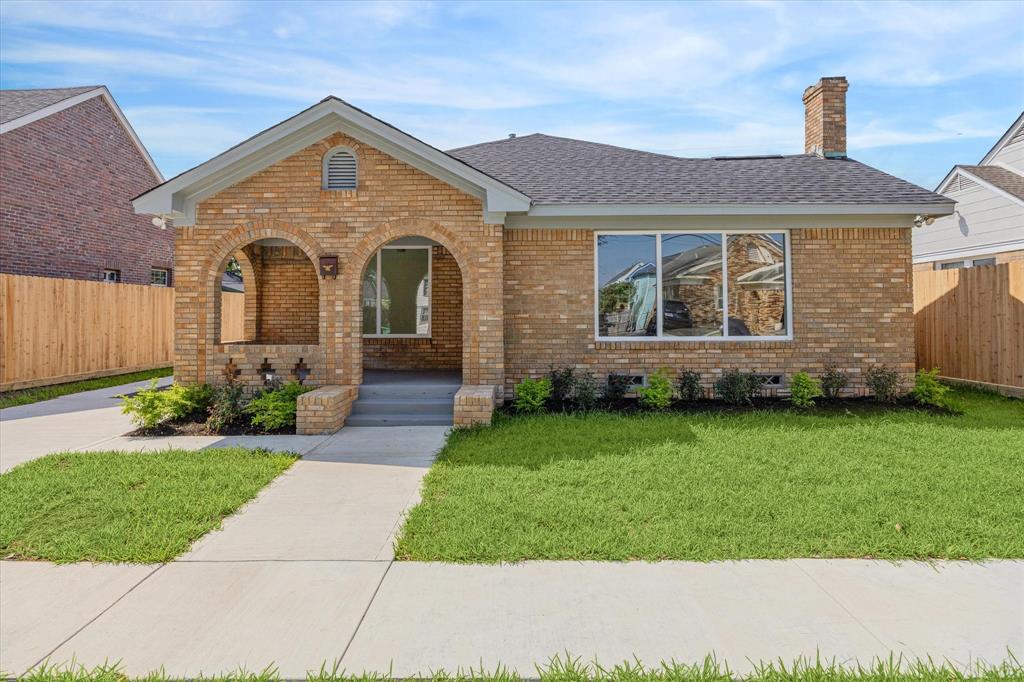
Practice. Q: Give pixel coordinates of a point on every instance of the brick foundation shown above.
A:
(474, 405)
(247, 358)
(324, 410)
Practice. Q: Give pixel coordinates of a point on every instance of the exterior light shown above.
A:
(329, 267)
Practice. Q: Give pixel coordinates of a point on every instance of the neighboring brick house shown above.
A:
(70, 164)
(508, 258)
(987, 227)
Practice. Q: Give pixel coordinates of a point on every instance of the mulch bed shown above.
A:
(193, 428)
(861, 405)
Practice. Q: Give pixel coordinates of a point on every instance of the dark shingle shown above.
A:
(17, 103)
(557, 170)
(1003, 178)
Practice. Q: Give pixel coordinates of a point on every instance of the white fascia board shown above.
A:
(1003, 140)
(585, 210)
(970, 251)
(78, 99)
(992, 188)
(941, 187)
(182, 194)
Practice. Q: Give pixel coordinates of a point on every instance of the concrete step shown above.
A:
(403, 406)
(402, 391)
(399, 420)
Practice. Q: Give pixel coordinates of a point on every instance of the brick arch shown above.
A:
(234, 241)
(350, 340)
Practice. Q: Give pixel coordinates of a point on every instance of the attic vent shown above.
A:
(963, 183)
(1017, 136)
(340, 170)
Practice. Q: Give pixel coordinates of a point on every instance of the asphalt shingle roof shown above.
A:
(17, 103)
(556, 170)
(1003, 178)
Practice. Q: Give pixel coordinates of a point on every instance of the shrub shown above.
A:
(227, 407)
(275, 409)
(885, 383)
(532, 395)
(803, 389)
(657, 394)
(616, 389)
(928, 390)
(833, 381)
(146, 407)
(181, 402)
(738, 387)
(689, 386)
(584, 394)
(563, 381)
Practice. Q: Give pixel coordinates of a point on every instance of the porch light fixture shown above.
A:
(329, 267)
(301, 371)
(267, 371)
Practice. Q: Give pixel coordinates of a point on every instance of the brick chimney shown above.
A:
(825, 117)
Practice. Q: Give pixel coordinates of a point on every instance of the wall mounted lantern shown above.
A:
(329, 267)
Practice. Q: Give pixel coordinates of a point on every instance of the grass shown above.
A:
(569, 669)
(124, 506)
(34, 395)
(856, 482)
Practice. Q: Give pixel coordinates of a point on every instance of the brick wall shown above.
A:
(852, 305)
(288, 296)
(443, 350)
(67, 181)
(825, 117)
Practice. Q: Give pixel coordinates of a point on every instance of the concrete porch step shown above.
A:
(399, 419)
(404, 405)
(416, 391)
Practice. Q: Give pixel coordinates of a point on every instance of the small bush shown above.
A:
(803, 389)
(657, 394)
(275, 409)
(886, 384)
(227, 407)
(690, 389)
(584, 394)
(146, 408)
(532, 395)
(616, 389)
(187, 402)
(737, 388)
(563, 382)
(928, 390)
(833, 381)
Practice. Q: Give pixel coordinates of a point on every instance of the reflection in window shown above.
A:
(756, 286)
(627, 285)
(691, 284)
(396, 292)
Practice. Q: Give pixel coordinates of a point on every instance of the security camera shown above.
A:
(158, 221)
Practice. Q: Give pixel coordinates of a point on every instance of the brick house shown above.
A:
(368, 249)
(70, 164)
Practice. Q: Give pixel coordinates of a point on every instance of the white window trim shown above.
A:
(167, 277)
(725, 293)
(967, 262)
(323, 169)
(430, 296)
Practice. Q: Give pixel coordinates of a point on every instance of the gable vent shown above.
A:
(1017, 136)
(964, 183)
(340, 170)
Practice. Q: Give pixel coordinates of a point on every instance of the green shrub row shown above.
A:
(570, 390)
(219, 407)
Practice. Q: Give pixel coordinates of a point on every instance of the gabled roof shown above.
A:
(563, 171)
(178, 197)
(1000, 180)
(1011, 133)
(21, 107)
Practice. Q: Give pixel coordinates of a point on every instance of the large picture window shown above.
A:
(396, 292)
(689, 285)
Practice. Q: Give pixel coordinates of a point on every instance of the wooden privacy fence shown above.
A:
(970, 323)
(232, 316)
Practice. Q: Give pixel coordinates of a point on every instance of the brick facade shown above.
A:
(67, 181)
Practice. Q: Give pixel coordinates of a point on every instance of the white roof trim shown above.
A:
(178, 197)
(738, 209)
(989, 186)
(1003, 140)
(101, 91)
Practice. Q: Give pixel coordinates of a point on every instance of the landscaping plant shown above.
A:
(181, 401)
(657, 394)
(563, 381)
(275, 409)
(584, 394)
(228, 406)
(886, 384)
(833, 381)
(803, 389)
(738, 388)
(616, 388)
(928, 390)
(690, 389)
(532, 395)
(146, 408)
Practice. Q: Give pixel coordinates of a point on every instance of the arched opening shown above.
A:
(411, 303)
(268, 294)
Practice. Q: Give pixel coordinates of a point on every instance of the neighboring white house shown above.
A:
(988, 225)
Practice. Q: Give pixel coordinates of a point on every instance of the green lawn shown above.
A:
(833, 483)
(126, 507)
(35, 395)
(569, 669)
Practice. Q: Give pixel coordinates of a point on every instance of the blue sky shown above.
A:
(931, 84)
